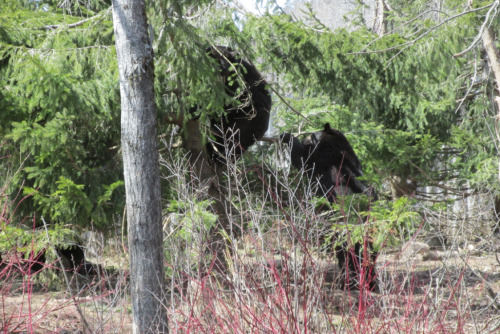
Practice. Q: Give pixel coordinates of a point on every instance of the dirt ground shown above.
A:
(455, 286)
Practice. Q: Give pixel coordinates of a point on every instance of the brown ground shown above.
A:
(457, 287)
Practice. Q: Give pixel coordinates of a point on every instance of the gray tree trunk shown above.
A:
(494, 63)
(140, 165)
(379, 26)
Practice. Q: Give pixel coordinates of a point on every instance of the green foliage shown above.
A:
(191, 217)
(185, 76)
(60, 113)
(387, 87)
(68, 201)
(395, 97)
(27, 242)
(398, 90)
(393, 221)
(24, 239)
(384, 222)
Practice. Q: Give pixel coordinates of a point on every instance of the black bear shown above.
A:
(328, 157)
(35, 261)
(242, 124)
(73, 258)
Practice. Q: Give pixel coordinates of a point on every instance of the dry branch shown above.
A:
(412, 42)
(72, 25)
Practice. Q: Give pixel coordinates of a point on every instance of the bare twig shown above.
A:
(399, 26)
(289, 106)
(495, 302)
(435, 184)
(412, 42)
(481, 30)
(73, 25)
(268, 139)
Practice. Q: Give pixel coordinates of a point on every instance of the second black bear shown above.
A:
(242, 124)
(328, 157)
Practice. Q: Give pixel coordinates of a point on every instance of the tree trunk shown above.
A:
(140, 165)
(494, 63)
(379, 26)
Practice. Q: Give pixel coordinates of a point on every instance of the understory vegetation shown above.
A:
(415, 100)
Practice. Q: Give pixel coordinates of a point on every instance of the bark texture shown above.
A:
(494, 63)
(140, 165)
(379, 26)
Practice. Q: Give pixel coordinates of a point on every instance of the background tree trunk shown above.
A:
(494, 64)
(140, 165)
(379, 26)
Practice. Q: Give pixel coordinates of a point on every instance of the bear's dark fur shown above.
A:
(74, 254)
(328, 156)
(73, 258)
(241, 125)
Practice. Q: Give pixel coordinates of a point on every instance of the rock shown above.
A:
(432, 256)
(436, 241)
(412, 248)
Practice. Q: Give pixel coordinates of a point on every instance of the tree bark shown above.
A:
(494, 63)
(493, 55)
(379, 26)
(140, 165)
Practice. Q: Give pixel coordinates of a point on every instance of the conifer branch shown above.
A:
(288, 105)
(33, 51)
(412, 42)
(72, 25)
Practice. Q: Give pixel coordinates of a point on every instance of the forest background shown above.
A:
(413, 89)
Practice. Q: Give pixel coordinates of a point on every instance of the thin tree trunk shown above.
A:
(493, 55)
(379, 26)
(140, 165)
(494, 62)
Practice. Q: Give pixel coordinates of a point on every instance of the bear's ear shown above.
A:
(212, 51)
(231, 54)
(218, 51)
(286, 137)
(327, 127)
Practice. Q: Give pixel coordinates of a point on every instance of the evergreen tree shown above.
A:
(60, 112)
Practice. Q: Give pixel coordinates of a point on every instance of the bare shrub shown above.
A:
(280, 279)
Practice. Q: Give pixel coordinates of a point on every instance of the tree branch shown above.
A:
(72, 25)
(481, 30)
(412, 42)
(289, 106)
